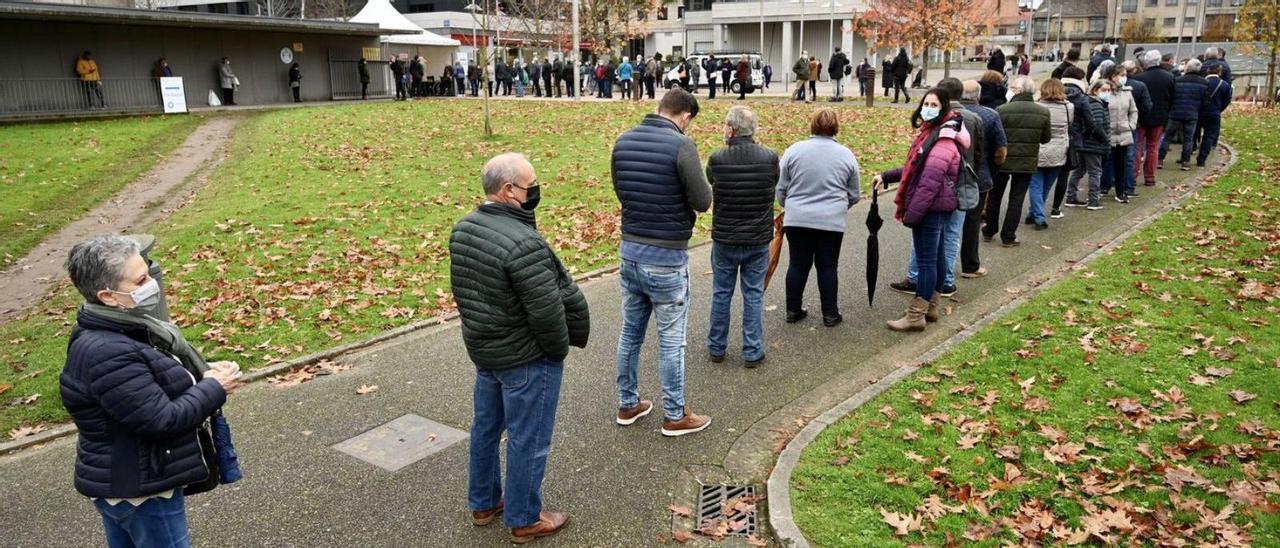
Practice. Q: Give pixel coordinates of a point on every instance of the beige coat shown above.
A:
(1124, 116)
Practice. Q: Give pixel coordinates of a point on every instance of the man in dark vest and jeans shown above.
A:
(743, 178)
(521, 311)
(658, 178)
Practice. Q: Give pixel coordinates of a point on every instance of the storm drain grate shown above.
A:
(727, 510)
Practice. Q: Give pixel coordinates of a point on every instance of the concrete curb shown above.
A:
(309, 359)
(781, 518)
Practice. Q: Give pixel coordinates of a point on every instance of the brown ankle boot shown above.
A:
(913, 320)
(932, 314)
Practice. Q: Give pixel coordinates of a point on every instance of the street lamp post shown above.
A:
(576, 48)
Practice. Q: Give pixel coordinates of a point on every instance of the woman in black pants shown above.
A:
(817, 184)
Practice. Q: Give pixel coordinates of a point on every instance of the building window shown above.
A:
(1078, 26)
(1193, 2)
(680, 12)
(1153, 3)
(1215, 3)
(1169, 22)
(1129, 6)
(1171, 2)
(1097, 24)
(700, 5)
(662, 13)
(422, 8)
(1188, 21)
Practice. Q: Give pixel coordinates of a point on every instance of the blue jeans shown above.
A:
(951, 249)
(1115, 166)
(662, 291)
(927, 239)
(522, 401)
(155, 523)
(1187, 128)
(726, 263)
(1041, 185)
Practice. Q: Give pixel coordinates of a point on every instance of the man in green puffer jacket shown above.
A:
(1026, 126)
(521, 311)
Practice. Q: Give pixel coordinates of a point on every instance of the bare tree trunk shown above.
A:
(924, 67)
(946, 64)
(1271, 79)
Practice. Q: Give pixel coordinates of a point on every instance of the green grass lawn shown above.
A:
(51, 174)
(1112, 408)
(328, 225)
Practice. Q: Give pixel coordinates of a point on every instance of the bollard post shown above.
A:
(871, 90)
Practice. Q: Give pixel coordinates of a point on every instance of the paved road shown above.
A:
(615, 482)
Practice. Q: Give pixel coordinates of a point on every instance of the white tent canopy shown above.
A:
(427, 38)
(383, 14)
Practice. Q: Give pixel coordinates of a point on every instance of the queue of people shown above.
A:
(143, 397)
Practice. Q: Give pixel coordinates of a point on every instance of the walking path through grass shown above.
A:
(53, 173)
(1132, 403)
(149, 197)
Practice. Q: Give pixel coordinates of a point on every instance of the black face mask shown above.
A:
(534, 195)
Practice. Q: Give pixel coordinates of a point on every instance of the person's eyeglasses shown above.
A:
(526, 188)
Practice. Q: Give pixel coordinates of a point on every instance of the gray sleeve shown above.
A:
(689, 168)
(854, 183)
(784, 181)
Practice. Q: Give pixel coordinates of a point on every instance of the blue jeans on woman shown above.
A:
(156, 522)
(727, 262)
(1041, 185)
(522, 401)
(662, 291)
(951, 249)
(931, 256)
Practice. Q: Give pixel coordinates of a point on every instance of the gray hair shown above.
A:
(98, 264)
(1023, 84)
(741, 120)
(1151, 58)
(971, 92)
(1211, 52)
(1130, 67)
(1193, 65)
(500, 170)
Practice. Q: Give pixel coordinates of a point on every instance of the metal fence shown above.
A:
(71, 95)
(344, 78)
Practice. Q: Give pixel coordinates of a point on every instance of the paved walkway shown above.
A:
(615, 482)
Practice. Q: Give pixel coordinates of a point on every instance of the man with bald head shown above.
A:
(521, 311)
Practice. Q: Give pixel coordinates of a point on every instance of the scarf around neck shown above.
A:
(165, 336)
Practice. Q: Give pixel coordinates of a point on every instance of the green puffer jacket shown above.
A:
(1027, 126)
(517, 301)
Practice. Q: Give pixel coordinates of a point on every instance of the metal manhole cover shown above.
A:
(727, 510)
(401, 442)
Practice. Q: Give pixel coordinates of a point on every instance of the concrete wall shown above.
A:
(36, 49)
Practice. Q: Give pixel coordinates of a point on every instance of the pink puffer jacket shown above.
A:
(933, 190)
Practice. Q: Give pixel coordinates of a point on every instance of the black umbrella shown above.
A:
(874, 222)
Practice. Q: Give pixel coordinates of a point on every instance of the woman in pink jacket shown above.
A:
(926, 198)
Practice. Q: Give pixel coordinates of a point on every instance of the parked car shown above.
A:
(757, 70)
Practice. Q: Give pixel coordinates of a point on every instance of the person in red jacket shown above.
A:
(926, 198)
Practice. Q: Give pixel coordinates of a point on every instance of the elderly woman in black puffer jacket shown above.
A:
(138, 393)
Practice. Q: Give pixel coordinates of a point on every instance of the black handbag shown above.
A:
(204, 435)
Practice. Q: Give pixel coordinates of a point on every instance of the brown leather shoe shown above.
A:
(688, 424)
(485, 517)
(627, 417)
(549, 523)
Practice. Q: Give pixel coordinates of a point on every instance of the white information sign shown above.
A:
(172, 94)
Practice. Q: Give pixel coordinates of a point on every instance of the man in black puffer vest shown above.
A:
(658, 179)
(743, 179)
(521, 311)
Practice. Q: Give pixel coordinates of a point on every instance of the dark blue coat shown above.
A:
(137, 410)
(1160, 85)
(1141, 97)
(1190, 97)
(1219, 97)
(647, 182)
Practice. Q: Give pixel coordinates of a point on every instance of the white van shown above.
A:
(757, 71)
